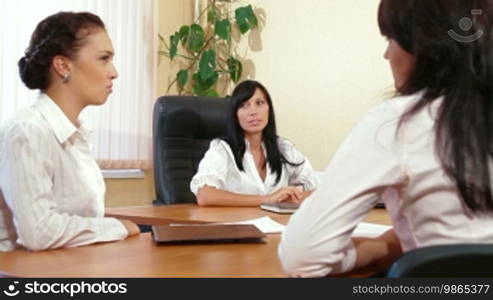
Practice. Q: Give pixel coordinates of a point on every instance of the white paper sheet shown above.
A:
(370, 229)
(264, 224)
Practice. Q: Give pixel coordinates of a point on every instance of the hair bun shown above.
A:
(28, 75)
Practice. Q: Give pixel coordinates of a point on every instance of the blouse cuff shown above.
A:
(309, 186)
(114, 230)
(202, 181)
(349, 260)
(309, 183)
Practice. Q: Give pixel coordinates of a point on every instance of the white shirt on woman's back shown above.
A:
(372, 164)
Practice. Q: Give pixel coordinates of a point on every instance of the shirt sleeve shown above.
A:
(303, 174)
(317, 240)
(26, 173)
(212, 168)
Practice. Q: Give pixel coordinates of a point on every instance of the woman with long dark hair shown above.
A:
(426, 153)
(51, 189)
(251, 165)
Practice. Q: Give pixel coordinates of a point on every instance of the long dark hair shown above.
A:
(235, 136)
(453, 45)
(58, 34)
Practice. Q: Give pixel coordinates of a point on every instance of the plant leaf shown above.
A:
(235, 68)
(184, 30)
(196, 38)
(182, 78)
(223, 29)
(211, 93)
(212, 16)
(200, 86)
(173, 44)
(245, 18)
(207, 64)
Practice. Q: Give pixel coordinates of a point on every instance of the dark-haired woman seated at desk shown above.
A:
(251, 165)
(51, 189)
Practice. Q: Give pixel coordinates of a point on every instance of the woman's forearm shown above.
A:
(377, 253)
(210, 196)
(306, 194)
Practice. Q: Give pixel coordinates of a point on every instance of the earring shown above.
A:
(65, 78)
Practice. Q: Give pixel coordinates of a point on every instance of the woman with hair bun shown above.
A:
(51, 189)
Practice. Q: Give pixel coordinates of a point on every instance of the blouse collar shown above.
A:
(58, 121)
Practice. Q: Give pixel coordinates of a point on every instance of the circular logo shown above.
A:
(465, 24)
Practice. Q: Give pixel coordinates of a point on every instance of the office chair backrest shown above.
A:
(182, 130)
(457, 260)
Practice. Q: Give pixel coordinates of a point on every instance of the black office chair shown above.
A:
(458, 260)
(182, 130)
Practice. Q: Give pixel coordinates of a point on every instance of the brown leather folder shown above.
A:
(206, 233)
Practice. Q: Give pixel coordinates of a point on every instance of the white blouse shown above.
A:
(218, 169)
(373, 164)
(51, 189)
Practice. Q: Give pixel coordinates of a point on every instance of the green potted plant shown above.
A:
(206, 51)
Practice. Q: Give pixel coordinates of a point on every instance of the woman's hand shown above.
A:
(131, 227)
(377, 253)
(289, 193)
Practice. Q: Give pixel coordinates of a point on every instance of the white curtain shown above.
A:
(122, 127)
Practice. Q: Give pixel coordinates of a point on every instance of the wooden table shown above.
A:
(139, 257)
